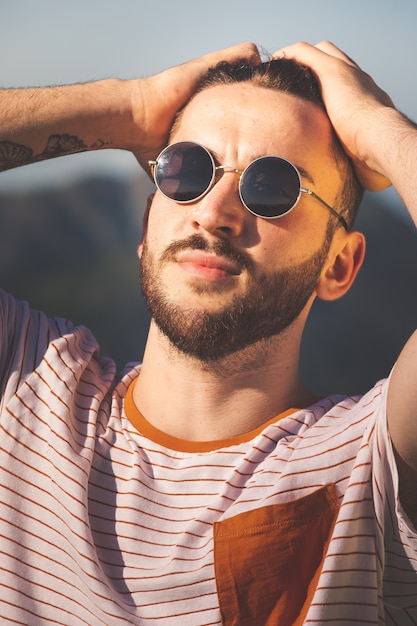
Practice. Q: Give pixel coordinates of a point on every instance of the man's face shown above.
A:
(215, 277)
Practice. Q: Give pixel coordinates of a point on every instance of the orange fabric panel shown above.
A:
(268, 561)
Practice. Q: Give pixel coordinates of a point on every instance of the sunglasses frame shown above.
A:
(229, 169)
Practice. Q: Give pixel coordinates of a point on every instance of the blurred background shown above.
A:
(69, 228)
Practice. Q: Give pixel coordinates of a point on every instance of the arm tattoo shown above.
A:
(14, 154)
(57, 145)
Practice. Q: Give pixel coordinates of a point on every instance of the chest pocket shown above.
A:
(268, 561)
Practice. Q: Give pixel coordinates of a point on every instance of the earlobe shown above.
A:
(145, 223)
(343, 266)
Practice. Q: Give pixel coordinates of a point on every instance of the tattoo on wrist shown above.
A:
(14, 154)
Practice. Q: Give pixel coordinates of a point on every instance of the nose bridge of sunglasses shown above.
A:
(228, 169)
(220, 170)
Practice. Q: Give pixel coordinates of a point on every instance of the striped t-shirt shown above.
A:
(106, 520)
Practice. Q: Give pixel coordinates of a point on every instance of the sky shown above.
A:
(47, 42)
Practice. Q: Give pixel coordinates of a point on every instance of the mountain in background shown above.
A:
(71, 252)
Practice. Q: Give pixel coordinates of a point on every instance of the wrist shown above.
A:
(109, 109)
(386, 139)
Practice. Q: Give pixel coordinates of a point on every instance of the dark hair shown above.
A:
(281, 74)
(291, 77)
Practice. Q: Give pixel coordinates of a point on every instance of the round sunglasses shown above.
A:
(269, 187)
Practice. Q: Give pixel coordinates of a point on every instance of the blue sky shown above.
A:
(54, 42)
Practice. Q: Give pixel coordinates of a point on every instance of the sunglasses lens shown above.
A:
(184, 171)
(270, 187)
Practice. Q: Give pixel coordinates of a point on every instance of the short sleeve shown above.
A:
(24, 338)
(399, 536)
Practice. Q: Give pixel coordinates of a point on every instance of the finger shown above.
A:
(329, 48)
(247, 50)
(368, 178)
(301, 48)
(318, 56)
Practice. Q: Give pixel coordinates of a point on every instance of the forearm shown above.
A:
(42, 123)
(135, 115)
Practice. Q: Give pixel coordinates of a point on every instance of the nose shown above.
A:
(220, 212)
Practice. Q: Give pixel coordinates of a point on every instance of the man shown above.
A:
(208, 486)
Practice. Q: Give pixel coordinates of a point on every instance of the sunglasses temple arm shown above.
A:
(331, 209)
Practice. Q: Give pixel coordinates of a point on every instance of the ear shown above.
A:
(345, 259)
(145, 220)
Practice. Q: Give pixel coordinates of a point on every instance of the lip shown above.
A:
(209, 266)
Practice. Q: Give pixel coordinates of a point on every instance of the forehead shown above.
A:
(244, 118)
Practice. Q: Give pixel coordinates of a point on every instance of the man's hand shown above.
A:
(353, 102)
(157, 99)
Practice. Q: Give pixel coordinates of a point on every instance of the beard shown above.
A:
(272, 302)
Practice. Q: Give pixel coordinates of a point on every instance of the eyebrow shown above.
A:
(305, 174)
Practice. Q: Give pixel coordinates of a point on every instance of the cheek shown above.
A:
(287, 241)
(158, 223)
(164, 215)
(165, 225)
(275, 240)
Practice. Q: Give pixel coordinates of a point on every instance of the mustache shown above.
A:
(220, 247)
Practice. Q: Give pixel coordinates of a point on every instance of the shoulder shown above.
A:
(31, 342)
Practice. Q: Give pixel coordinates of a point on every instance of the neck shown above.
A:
(197, 401)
